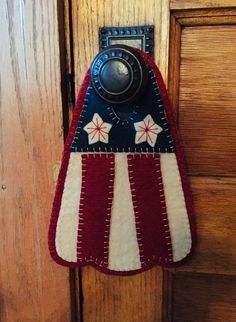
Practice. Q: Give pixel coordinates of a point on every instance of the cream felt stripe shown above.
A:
(123, 244)
(67, 224)
(176, 207)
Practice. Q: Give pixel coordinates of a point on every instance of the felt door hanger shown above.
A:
(122, 201)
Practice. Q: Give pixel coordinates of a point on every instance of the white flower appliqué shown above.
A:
(147, 131)
(97, 130)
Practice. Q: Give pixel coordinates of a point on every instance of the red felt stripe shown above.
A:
(95, 208)
(150, 209)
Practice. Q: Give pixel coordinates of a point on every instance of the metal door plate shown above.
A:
(141, 37)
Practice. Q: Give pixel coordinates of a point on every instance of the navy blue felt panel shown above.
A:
(122, 118)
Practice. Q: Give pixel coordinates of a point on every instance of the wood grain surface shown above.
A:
(204, 298)
(116, 298)
(215, 209)
(32, 286)
(193, 4)
(89, 15)
(202, 90)
(207, 99)
(174, 64)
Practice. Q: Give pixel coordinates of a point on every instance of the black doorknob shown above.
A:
(119, 74)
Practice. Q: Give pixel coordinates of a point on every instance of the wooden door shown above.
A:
(32, 287)
(195, 49)
(202, 86)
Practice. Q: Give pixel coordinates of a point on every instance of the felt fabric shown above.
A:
(178, 222)
(68, 220)
(149, 202)
(123, 242)
(95, 208)
(122, 136)
(122, 201)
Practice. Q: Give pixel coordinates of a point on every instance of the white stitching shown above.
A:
(136, 213)
(164, 216)
(81, 209)
(104, 261)
(109, 207)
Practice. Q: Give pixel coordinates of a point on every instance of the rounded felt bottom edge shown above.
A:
(108, 271)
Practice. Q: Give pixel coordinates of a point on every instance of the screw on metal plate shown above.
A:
(141, 37)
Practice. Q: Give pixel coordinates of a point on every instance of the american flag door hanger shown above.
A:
(122, 201)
